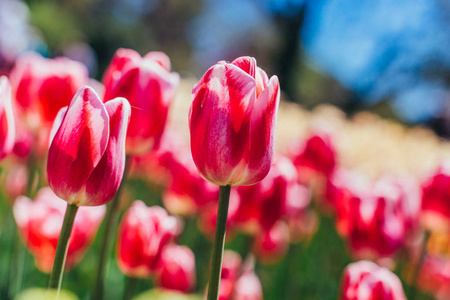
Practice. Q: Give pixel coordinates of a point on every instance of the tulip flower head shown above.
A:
(176, 268)
(86, 158)
(435, 213)
(7, 128)
(150, 87)
(40, 221)
(143, 233)
(232, 122)
(42, 86)
(365, 280)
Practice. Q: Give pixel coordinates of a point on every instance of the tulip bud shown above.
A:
(366, 280)
(150, 87)
(177, 268)
(7, 130)
(232, 122)
(40, 222)
(143, 233)
(86, 158)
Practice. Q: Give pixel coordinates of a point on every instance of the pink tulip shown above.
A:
(271, 245)
(380, 219)
(232, 122)
(315, 157)
(238, 280)
(248, 287)
(176, 268)
(434, 277)
(7, 129)
(150, 87)
(143, 233)
(263, 204)
(86, 158)
(436, 200)
(230, 271)
(364, 280)
(41, 87)
(186, 193)
(40, 222)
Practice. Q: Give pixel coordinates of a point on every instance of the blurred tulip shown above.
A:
(41, 87)
(7, 128)
(150, 87)
(364, 280)
(176, 269)
(238, 280)
(230, 272)
(436, 200)
(380, 220)
(248, 287)
(143, 233)
(86, 158)
(434, 277)
(315, 157)
(264, 203)
(232, 122)
(186, 193)
(40, 222)
(271, 245)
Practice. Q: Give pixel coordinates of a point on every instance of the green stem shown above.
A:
(61, 248)
(219, 243)
(423, 252)
(130, 286)
(108, 236)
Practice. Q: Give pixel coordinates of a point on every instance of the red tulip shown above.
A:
(86, 158)
(176, 268)
(232, 122)
(380, 220)
(40, 222)
(230, 271)
(316, 156)
(143, 233)
(238, 280)
(186, 193)
(434, 277)
(436, 200)
(248, 287)
(41, 87)
(7, 128)
(364, 280)
(150, 87)
(262, 204)
(272, 244)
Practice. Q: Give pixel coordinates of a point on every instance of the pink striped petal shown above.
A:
(104, 181)
(160, 57)
(262, 134)
(78, 145)
(219, 121)
(7, 127)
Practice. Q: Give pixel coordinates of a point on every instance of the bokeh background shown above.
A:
(389, 57)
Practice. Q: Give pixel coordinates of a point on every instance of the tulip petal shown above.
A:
(160, 57)
(109, 172)
(78, 145)
(247, 64)
(219, 121)
(262, 134)
(7, 127)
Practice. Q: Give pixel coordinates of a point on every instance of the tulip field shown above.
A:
(152, 185)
